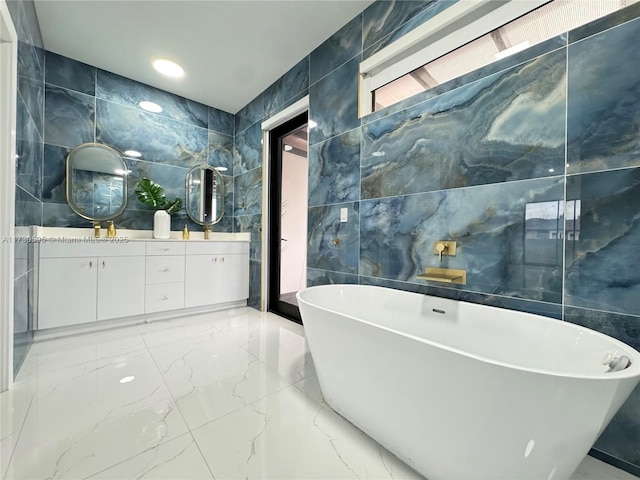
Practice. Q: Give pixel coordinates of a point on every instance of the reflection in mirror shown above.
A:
(96, 182)
(205, 195)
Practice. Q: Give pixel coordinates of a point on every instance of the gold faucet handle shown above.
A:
(441, 247)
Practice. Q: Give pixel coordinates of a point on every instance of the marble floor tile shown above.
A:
(212, 378)
(287, 435)
(178, 458)
(229, 394)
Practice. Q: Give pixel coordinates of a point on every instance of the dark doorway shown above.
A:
(288, 186)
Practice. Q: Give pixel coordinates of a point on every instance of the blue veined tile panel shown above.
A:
(620, 437)
(32, 92)
(28, 209)
(221, 151)
(248, 149)
(25, 126)
(248, 193)
(382, 18)
(134, 219)
(508, 126)
(251, 113)
(327, 277)
(334, 103)
(334, 169)
(228, 196)
(125, 91)
(553, 310)
(509, 237)
(604, 101)
(158, 138)
(334, 245)
(29, 167)
(67, 73)
(54, 174)
(342, 46)
(602, 254)
(68, 117)
(286, 87)
(30, 61)
(221, 122)
(252, 224)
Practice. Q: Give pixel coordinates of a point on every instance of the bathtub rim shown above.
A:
(633, 371)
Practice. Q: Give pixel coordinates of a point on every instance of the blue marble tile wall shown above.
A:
(29, 149)
(531, 164)
(87, 104)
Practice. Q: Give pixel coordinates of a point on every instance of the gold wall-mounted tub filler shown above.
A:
(445, 275)
(445, 247)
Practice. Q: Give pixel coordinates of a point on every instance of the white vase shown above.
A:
(161, 224)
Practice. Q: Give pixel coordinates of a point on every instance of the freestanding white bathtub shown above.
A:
(464, 391)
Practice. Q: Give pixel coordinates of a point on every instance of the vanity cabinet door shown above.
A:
(120, 286)
(234, 272)
(219, 278)
(67, 291)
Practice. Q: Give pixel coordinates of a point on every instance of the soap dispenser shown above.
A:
(111, 230)
(185, 233)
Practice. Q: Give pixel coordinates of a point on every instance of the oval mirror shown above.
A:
(205, 195)
(96, 182)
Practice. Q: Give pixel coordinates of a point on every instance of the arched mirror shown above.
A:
(96, 182)
(205, 195)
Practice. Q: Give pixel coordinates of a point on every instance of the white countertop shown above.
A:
(125, 235)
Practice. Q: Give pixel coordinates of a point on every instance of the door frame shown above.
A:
(8, 98)
(276, 120)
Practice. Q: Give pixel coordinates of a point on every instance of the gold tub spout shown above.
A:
(445, 275)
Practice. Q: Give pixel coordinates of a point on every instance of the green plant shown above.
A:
(152, 195)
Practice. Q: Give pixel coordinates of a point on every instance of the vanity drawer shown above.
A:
(165, 269)
(165, 248)
(163, 297)
(217, 248)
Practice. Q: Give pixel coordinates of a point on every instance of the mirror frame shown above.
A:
(68, 187)
(220, 180)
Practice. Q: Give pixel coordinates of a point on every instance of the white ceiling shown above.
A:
(231, 50)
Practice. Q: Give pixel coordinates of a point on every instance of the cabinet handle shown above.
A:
(165, 270)
(103, 264)
(166, 249)
(90, 264)
(214, 260)
(222, 259)
(166, 297)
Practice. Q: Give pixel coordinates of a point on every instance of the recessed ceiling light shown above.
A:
(288, 148)
(168, 67)
(150, 107)
(221, 169)
(132, 153)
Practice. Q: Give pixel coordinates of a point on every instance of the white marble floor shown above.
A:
(222, 395)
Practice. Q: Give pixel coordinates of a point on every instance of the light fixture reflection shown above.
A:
(128, 379)
(132, 153)
(221, 169)
(150, 107)
(312, 124)
(288, 148)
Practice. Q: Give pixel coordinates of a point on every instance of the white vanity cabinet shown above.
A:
(216, 273)
(81, 283)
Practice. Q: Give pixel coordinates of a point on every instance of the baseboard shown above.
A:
(616, 462)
